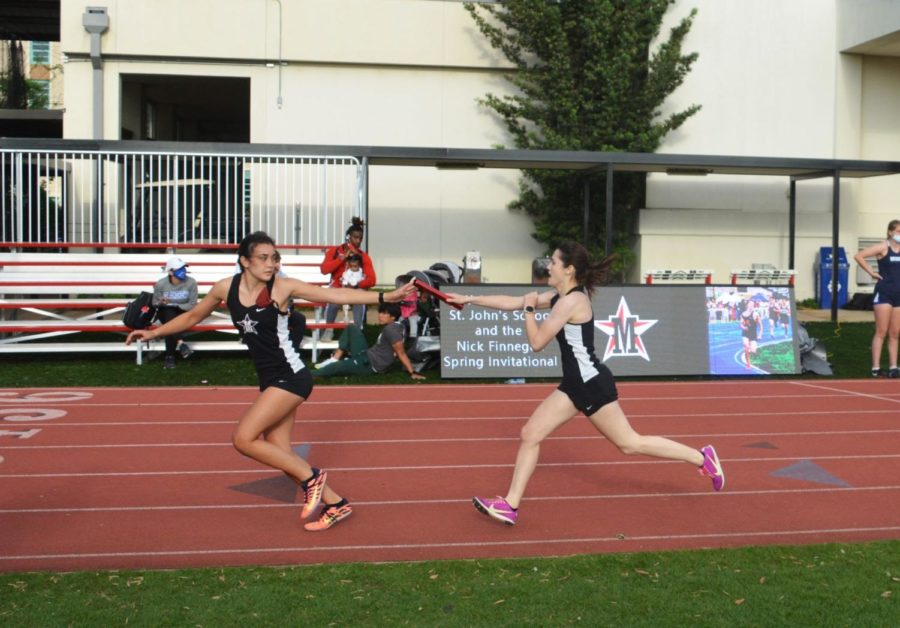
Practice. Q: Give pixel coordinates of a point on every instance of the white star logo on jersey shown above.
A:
(624, 331)
(248, 324)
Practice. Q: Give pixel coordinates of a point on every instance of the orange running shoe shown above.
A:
(330, 516)
(312, 489)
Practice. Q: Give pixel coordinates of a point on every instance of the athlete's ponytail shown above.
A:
(587, 273)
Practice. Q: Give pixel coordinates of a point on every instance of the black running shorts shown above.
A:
(593, 394)
(886, 294)
(300, 383)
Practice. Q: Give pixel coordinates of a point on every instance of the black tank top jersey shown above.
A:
(748, 324)
(265, 332)
(889, 269)
(576, 346)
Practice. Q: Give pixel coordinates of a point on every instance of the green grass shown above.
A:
(847, 345)
(819, 585)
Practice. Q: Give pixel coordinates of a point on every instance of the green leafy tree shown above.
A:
(586, 79)
(17, 92)
(34, 95)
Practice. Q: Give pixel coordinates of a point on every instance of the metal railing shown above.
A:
(141, 198)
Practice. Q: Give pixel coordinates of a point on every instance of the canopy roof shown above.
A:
(458, 158)
(796, 168)
(473, 158)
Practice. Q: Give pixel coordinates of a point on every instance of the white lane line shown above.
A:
(848, 393)
(468, 400)
(453, 467)
(462, 500)
(253, 391)
(443, 441)
(466, 544)
(521, 417)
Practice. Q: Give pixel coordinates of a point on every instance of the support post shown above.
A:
(363, 200)
(609, 209)
(586, 191)
(792, 224)
(835, 230)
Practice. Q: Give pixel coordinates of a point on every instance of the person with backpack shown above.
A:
(173, 295)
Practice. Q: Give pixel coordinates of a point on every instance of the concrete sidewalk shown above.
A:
(844, 316)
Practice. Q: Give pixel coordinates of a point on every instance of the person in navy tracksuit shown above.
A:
(886, 300)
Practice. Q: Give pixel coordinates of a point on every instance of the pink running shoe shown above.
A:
(496, 508)
(711, 467)
(312, 489)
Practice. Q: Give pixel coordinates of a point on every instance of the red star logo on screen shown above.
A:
(624, 331)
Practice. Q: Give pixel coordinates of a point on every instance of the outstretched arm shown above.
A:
(572, 306)
(185, 321)
(286, 287)
(500, 302)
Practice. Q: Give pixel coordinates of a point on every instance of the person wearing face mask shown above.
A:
(173, 295)
(886, 301)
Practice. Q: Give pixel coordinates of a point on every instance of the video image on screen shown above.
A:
(751, 330)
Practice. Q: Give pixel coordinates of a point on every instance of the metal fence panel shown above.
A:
(143, 198)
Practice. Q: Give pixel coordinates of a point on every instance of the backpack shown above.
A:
(140, 312)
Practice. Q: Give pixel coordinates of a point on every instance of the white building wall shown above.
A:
(772, 83)
(762, 94)
(879, 199)
(358, 72)
(771, 78)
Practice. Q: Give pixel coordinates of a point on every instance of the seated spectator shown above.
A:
(335, 263)
(353, 274)
(355, 357)
(173, 295)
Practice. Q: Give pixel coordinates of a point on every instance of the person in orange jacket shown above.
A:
(335, 264)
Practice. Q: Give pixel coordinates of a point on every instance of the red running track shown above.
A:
(147, 478)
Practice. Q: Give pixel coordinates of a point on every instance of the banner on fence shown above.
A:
(638, 331)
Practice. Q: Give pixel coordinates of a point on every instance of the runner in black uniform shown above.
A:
(586, 381)
(750, 323)
(774, 316)
(587, 385)
(257, 300)
(886, 302)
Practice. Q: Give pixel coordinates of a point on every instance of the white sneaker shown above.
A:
(326, 335)
(325, 363)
